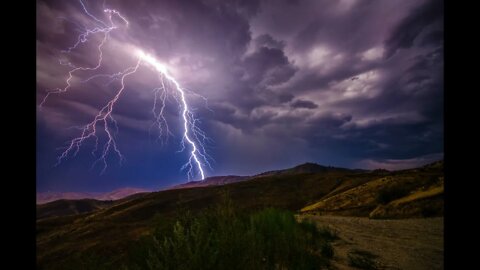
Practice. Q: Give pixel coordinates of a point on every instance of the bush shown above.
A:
(222, 238)
(391, 193)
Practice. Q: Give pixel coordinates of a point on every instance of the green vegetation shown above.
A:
(362, 259)
(219, 237)
(391, 193)
(225, 238)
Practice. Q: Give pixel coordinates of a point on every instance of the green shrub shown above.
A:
(391, 193)
(223, 238)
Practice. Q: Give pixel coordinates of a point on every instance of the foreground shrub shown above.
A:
(221, 238)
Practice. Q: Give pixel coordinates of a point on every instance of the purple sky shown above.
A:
(344, 83)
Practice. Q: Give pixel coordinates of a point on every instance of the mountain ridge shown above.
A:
(120, 193)
(307, 167)
(211, 181)
(116, 194)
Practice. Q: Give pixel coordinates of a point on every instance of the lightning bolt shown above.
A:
(193, 137)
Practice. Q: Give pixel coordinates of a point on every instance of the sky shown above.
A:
(273, 84)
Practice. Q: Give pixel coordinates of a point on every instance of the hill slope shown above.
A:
(46, 197)
(69, 207)
(294, 189)
(307, 168)
(127, 221)
(408, 193)
(212, 181)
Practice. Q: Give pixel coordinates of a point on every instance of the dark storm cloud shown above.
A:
(268, 66)
(304, 104)
(266, 40)
(411, 27)
(432, 38)
(343, 82)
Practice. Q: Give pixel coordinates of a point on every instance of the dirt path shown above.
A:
(399, 244)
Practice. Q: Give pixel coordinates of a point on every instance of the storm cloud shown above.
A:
(344, 83)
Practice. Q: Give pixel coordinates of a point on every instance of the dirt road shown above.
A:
(412, 244)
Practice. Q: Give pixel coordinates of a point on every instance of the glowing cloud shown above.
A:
(104, 121)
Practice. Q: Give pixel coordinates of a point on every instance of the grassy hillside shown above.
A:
(69, 207)
(63, 237)
(409, 193)
(111, 232)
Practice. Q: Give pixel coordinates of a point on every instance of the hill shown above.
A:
(307, 167)
(46, 197)
(309, 187)
(409, 193)
(212, 181)
(70, 207)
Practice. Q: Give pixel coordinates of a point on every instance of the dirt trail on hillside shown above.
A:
(414, 244)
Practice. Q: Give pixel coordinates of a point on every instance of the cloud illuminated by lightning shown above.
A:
(193, 137)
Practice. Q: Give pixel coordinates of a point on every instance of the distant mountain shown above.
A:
(224, 180)
(45, 197)
(120, 193)
(307, 168)
(316, 168)
(212, 181)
